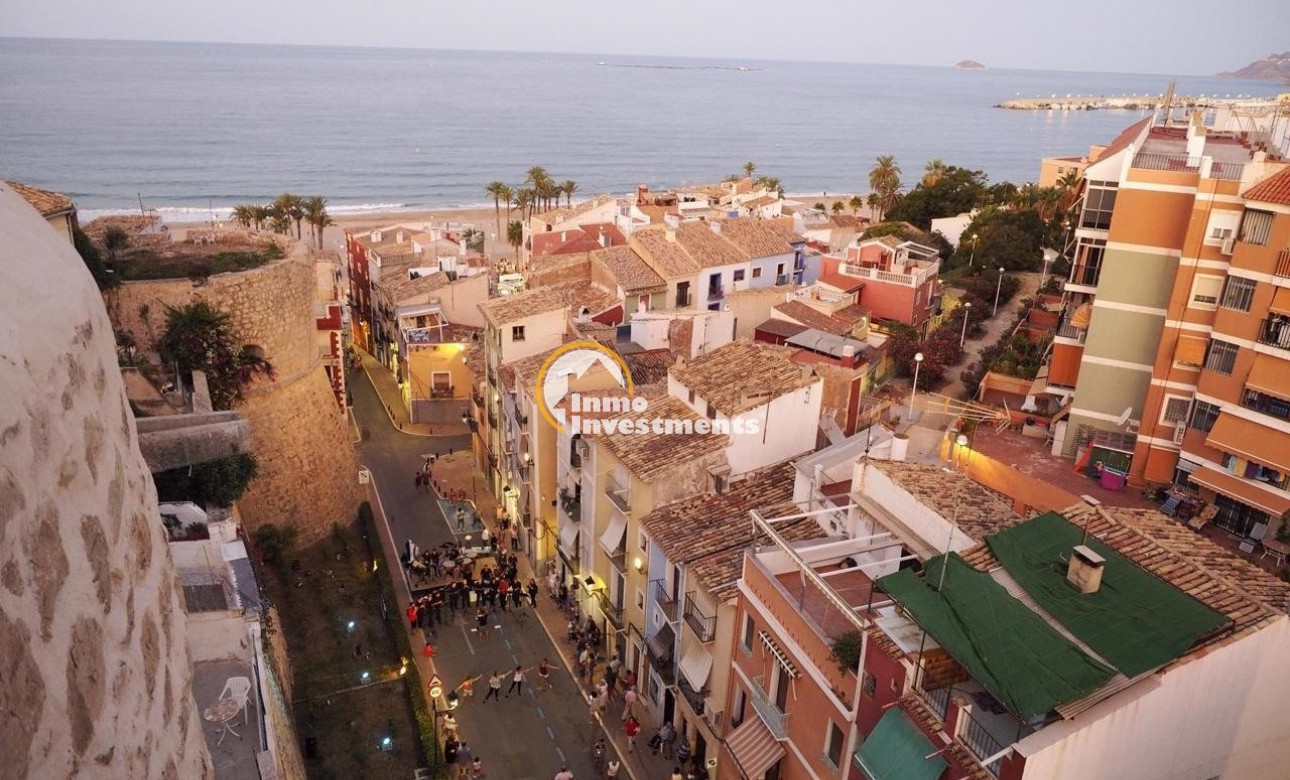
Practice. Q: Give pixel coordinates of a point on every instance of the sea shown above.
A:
(191, 129)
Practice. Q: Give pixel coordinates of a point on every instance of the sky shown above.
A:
(1172, 37)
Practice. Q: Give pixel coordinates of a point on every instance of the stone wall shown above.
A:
(95, 680)
(308, 471)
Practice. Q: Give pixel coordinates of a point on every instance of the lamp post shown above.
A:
(967, 310)
(453, 703)
(961, 441)
(998, 287)
(918, 363)
(972, 255)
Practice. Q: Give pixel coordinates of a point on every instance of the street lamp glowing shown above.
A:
(967, 310)
(997, 288)
(962, 440)
(365, 676)
(350, 626)
(972, 256)
(918, 363)
(637, 563)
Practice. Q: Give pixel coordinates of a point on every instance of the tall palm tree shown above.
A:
(884, 180)
(749, 167)
(495, 190)
(837, 207)
(856, 203)
(507, 195)
(242, 216)
(934, 171)
(316, 215)
(568, 188)
(515, 237)
(260, 214)
(293, 208)
(524, 200)
(538, 178)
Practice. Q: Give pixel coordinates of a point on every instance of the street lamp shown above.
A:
(998, 287)
(967, 309)
(972, 255)
(918, 363)
(453, 703)
(961, 441)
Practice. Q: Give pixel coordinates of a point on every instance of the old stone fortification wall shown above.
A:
(308, 471)
(95, 680)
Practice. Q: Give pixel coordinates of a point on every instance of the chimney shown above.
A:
(602, 239)
(670, 234)
(1085, 569)
(642, 194)
(564, 236)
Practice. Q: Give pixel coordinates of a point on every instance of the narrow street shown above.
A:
(519, 737)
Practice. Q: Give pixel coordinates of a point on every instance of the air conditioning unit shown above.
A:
(1180, 431)
(1229, 245)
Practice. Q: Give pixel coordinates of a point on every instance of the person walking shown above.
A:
(629, 699)
(533, 592)
(494, 687)
(544, 675)
(467, 687)
(564, 773)
(632, 727)
(477, 768)
(676, 774)
(517, 682)
(667, 738)
(611, 769)
(597, 703)
(481, 618)
(463, 761)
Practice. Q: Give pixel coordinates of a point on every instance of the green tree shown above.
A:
(115, 239)
(201, 338)
(856, 203)
(274, 541)
(498, 191)
(473, 239)
(316, 215)
(515, 237)
(290, 208)
(955, 191)
(933, 171)
(568, 187)
(242, 215)
(838, 207)
(749, 168)
(1003, 237)
(884, 180)
(105, 278)
(213, 483)
(540, 181)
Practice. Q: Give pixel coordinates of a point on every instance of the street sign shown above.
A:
(436, 686)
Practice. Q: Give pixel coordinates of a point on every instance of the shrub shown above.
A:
(845, 651)
(274, 541)
(214, 483)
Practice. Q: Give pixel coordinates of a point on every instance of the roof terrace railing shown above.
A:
(1185, 164)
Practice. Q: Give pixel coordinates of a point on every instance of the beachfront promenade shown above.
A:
(1132, 102)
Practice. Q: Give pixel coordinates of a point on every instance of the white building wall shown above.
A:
(1221, 715)
(925, 523)
(785, 427)
(542, 332)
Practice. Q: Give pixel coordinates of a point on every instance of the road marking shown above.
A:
(466, 636)
(541, 714)
(560, 752)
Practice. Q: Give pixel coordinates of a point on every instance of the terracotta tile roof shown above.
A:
(523, 372)
(708, 249)
(668, 258)
(799, 312)
(629, 270)
(389, 236)
(649, 366)
(1219, 579)
(761, 237)
(743, 375)
(555, 216)
(782, 328)
(651, 455)
(553, 269)
(719, 572)
(584, 238)
(1125, 138)
(840, 281)
(978, 511)
(509, 308)
(852, 314)
(1274, 189)
(398, 287)
(475, 362)
(47, 203)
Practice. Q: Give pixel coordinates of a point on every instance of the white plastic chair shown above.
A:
(237, 689)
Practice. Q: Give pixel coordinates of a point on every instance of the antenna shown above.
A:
(1168, 104)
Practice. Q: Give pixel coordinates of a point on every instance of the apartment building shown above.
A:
(1096, 643)
(388, 250)
(895, 280)
(329, 325)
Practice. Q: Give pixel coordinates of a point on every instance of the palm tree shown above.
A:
(507, 196)
(499, 192)
(884, 180)
(934, 171)
(292, 207)
(568, 188)
(749, 167)
(856, 203)
(242, 215)
(539, 179)
(524, 199)
(259, 215)
(316, 215)
(837, 207)
(515, 237)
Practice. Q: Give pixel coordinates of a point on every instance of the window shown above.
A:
(640, 599)
(1221, 357)
(1239, 293)
(517, 333)
(756, 273)
(1205, 291)
(691, 396)
(642, 541)
(779, 270)
(739, 275)
(682, 294)
(1222, 226)
(1176, 408)
(1203, 416)
(833, 747)
(1099, 202)
(750, 628)
(1256, 227)
(868, 684)
(712, 412)
(741, 703)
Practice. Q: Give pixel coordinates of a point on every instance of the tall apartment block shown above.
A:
(1170, 347)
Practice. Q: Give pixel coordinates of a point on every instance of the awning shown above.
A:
(1269, 376)
(1241, 490)
(1190, 350)
(897, 750)
(779, 653)
(696, 663)
(661, 643)
(569, 538)
(1247, 439)
(1281, 301)
(612, 539)
(755, 749)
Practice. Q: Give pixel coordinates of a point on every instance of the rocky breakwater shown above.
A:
(95, 680)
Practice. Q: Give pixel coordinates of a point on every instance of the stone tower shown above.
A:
(94, 667)
(308, 471)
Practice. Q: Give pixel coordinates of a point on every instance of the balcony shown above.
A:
(703, 626)
(1086, 276)
(613, 612)
(571, 504)
(1275, 332)
(696, 699)
(1266, 404)
(980, 742)
(658, 650)
(1068, 331)
(665, 602)
(917, 275)
(1282, 268)
(619, 496)
(766, 709)
(1184, 164)
(716, 293)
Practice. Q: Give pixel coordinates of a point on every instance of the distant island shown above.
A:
(969, 65)
(1274, 67)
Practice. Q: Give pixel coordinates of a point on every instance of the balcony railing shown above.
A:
(979, 742)
(716, 292)
(1086, 275)
(1266, 404)
(1282, 267)
(1275, 331)
(704, 626)
(1068, 331)
(619, 496)
(937, 700)
(695, 698)
(441, 392)
(766, 710)
(666, 602)
(663, 664)
(613, 612)
(1184, 164)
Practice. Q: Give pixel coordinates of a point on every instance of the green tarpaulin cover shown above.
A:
(1135, 620)
(1024, 662)
(897, 750)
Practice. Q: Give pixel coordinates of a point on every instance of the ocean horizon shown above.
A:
(195, 128)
